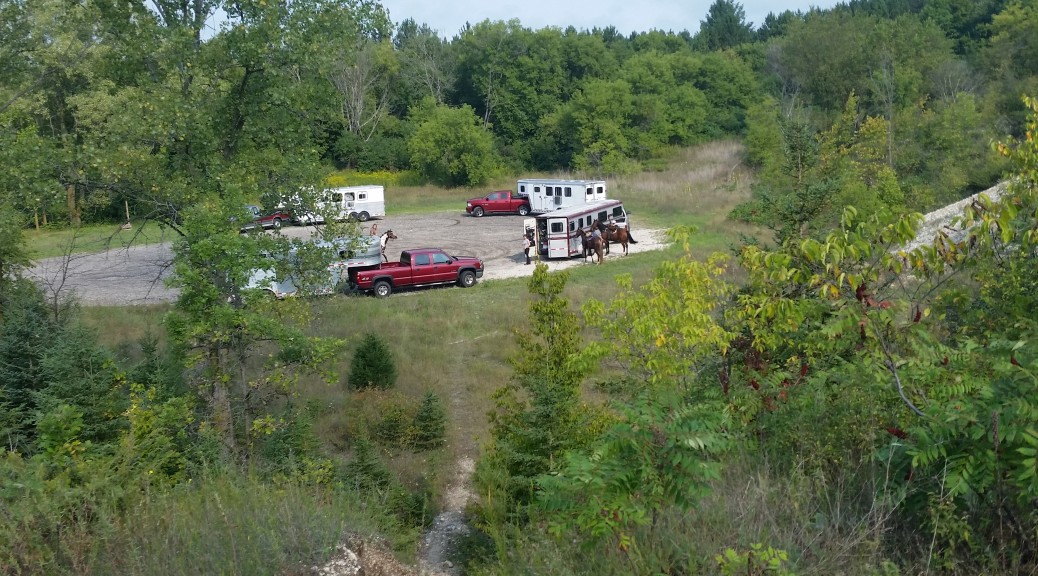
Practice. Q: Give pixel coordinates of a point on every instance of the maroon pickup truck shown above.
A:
(419, 267)
(500, 201)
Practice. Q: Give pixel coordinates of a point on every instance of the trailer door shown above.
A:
(558, 238)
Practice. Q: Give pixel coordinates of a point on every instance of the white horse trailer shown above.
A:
(547, 195)
(558, 232)
(349, 202)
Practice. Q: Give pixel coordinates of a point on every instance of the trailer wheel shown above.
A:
(383, 288)
(478, 211)
(364, 216)
(467, 279)
(524, 209)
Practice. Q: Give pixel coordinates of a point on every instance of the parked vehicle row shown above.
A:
(537, 196)
(360, 268)
(346, 203)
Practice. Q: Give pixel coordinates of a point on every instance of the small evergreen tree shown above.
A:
(429, 427)
(366, 470)
(373, 365)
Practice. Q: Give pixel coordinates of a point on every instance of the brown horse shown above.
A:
(614, 233)
(592, 245)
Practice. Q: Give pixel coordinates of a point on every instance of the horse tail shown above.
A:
(629, 237)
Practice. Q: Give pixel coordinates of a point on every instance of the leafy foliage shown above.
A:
(451, 148)
(539, 416)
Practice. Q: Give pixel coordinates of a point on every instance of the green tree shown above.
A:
(14, 257)
(450, 148)
(660, 448)
(725, 26)
(373, 365)
(539, 415)
(429, 427)
(220, 325)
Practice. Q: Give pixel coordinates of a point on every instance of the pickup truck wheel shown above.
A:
(478, 211)
(467, 279)
(363, 216)
(524, 209)
(277, 223)
(383, 288)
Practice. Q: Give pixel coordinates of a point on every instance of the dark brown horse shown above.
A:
(592, 245)
(614, 233)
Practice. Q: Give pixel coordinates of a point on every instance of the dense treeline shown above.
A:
(913, 372)
(110, 102)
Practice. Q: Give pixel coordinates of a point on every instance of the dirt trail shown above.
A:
(439, 541)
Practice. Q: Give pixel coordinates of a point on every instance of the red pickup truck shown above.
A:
(500, 201)
(418, 267)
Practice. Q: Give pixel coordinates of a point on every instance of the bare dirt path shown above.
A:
(135, 275)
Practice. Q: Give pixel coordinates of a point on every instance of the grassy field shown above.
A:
(50, 242)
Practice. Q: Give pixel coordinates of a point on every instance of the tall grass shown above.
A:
(222, 524)
(699, 187)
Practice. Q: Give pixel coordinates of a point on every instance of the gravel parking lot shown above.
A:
(134, 276)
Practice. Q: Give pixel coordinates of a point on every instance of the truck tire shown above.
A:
(277, 223)
(364, 216)
(478, 211)
(383, 288)
(467, 279)
(524, 209)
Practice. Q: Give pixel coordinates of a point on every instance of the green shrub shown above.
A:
(366, 470)
(429, 427)
(412, 508)
(373, 365)
(393, 427)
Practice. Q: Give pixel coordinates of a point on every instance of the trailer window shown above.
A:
(557, 228)
(363, 195)
(349, 196)
(547, 191)
(569, 192)
(421, 259)
(572, 226)
(603, 215)
(536, 189)
(618, 212)
(589, 191)
(601, 189)
(336, 197)
(522, 188)
(558, 190)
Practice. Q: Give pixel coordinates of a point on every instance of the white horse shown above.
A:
(384, 239)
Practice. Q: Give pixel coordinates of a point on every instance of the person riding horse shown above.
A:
(614, 233)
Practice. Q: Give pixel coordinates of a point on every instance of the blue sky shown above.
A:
(448, 16)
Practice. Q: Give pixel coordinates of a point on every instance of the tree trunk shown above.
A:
(73, 206)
